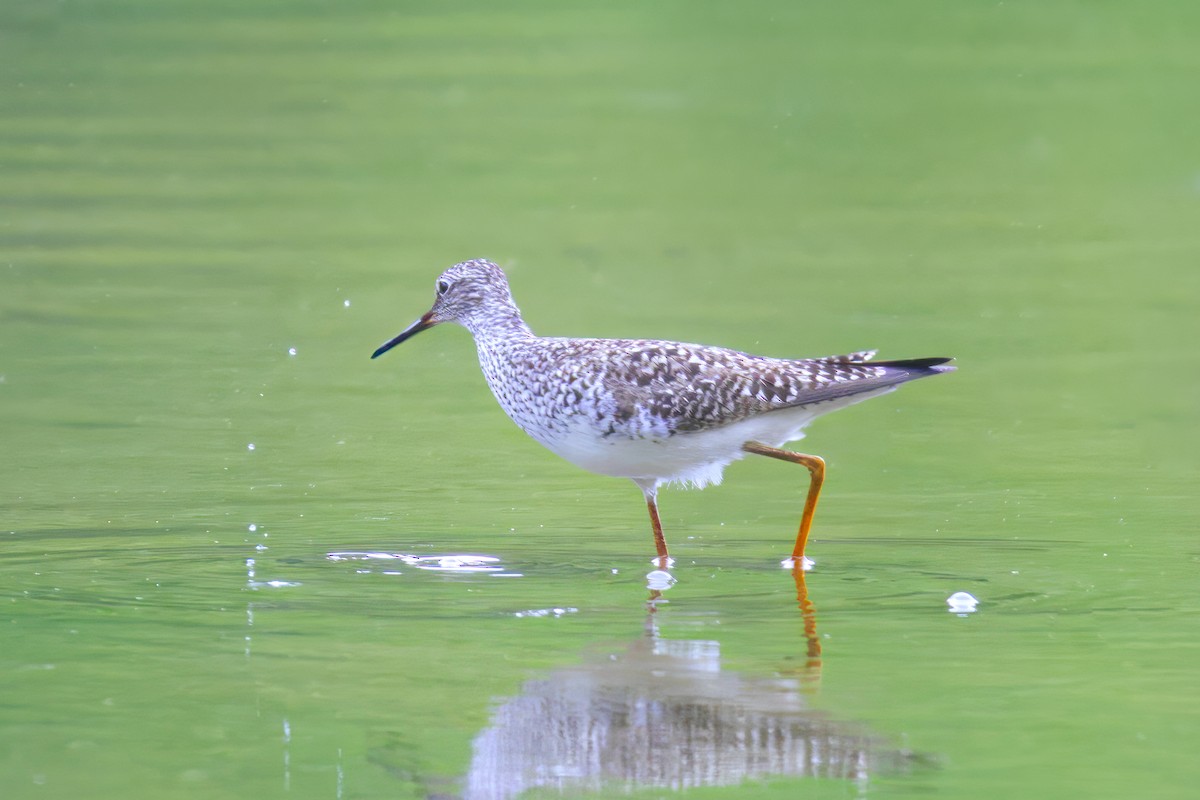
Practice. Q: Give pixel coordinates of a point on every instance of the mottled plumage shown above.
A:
(651, 411)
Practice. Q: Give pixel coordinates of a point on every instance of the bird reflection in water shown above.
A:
(663, 714)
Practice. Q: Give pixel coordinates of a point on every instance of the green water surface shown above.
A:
(212, 212)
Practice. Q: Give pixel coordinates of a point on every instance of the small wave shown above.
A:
(454, 562)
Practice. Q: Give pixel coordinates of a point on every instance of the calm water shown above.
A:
(213, 212)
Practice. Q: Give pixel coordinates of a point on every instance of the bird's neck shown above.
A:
(498, 324)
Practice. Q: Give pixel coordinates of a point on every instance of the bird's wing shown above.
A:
(680, 387)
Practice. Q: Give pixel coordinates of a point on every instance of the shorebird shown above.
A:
(653, 411)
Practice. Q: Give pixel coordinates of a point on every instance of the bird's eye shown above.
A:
(443, 287)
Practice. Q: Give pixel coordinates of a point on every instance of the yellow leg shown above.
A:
(816, 471)
(650, 491)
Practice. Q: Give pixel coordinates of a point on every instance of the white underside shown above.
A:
(695, 459)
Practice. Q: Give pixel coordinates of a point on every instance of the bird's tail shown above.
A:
(922, 366)
(930, 365)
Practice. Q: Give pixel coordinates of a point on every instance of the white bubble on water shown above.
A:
(962, 603)
(659, 580)
(806, 563)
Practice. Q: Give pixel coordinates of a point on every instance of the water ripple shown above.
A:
(455, 562)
